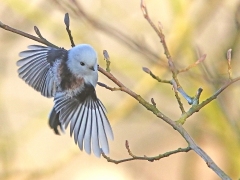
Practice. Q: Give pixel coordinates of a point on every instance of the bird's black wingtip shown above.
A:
(54, 122)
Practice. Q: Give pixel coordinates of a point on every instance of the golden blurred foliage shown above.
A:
(29, 150)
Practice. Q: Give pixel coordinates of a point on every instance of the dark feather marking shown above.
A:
(34, 62)
(54, 121)
(88, 124)
(32, 75)
(96, 121)
(74, 121)
(67, 114)
(80, 143)
(68, 80)
(101, 116)
(87, 109)
(82, 127)
(87, 91)
(82, 109)
(91, 107)
(31, 58)
(54, 54)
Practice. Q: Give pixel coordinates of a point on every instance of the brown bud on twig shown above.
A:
(229, 55)
(153, 102)
(67, 20)
(201, 59)
(67, 23)
(146, 70)
(106, 55)
(126, 144)
(38, 32)
(144, 8)
(102, 84)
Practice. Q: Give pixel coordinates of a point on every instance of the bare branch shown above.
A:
(29, 36)
(176, 125)
(166, 51)
(155, 77)
(197, 96)
(201, 59)
(67, 23)
(196, 108)
(146, 158)
(109, 88)
(175, 88)
(184, 94)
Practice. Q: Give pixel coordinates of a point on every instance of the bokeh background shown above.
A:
(29, 150)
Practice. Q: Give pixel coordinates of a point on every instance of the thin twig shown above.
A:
(166, 51)
(196, 108)
(197, 96)
(184, 94)
(29, 36)
(159, 33)
(175, 88)
(146, 70)
(107, 87)
(67, 23)
(201, 59)
(146, 158)
(37, 31)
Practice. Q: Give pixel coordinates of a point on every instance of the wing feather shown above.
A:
(101, 130)
(36, 47)
(36, 67)
(87, 134)
(28, 53)
(75, 121)
(82, 128)
(95, 138)
(106, 124)
(30, 59)
(67, 114)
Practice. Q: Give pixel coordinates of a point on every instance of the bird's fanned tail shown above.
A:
(88, 122)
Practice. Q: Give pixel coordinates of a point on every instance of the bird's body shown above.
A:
(70, 77)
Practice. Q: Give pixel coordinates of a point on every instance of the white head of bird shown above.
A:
(82, 62)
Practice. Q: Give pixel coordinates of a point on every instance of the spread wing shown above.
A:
(36, 67)
(87, 117)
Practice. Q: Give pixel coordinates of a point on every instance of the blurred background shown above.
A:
(29, 150)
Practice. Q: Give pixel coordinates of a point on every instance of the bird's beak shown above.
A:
(92, 68)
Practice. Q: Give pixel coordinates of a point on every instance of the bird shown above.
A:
(70, 77)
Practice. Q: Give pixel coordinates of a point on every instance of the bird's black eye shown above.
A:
(82, 63)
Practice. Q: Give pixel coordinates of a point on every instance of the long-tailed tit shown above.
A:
(70, 77)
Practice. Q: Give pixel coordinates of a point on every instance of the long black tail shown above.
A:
(54, 121)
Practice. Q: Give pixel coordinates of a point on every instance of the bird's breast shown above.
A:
(68, 81)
